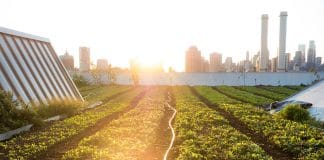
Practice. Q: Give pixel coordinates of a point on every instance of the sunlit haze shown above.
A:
(161, 31)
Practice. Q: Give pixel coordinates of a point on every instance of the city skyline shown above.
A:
(152, 35)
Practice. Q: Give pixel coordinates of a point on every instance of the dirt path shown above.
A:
(57, 151)
(157, 149)
(271, 149)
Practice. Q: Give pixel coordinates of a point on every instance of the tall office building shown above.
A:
(67, 61)
(264, 53)
(228, 64)
(318, 61)
(287, 61)
(274, 64)
(204, 65)
(193, 60)
(298, 58)
(282, 42)
(84, 55)
(102, 64)
(247, 56)
(215, 60)
(311, 55)
(302, 48)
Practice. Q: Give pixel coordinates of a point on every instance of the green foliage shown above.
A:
(202, 133)
(295, 113)
(126, 137)
(11, 117)
(32, 144)
(301, 139)
(244, 96)
(79, 81)
(54, 108)
(262, 92)
(280, 90)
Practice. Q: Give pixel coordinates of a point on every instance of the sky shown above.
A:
(161, 31)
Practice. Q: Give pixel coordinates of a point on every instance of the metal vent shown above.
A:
(31, 70)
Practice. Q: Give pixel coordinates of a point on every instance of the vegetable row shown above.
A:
(202, 133)
(31, 144)
(127, 137)
(300, 139)
(244, 96)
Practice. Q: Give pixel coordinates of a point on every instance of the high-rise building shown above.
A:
(318, 61)
(302, 48)
(255, 62)
(311, 55)
(204, 65)
(282, 42)
(215, 60)
(298, 60)
(228, 64)
(102, 64)
(193, 60)
(84, 55)
(264, 52)
(68, 61)
(247, 56)
(287, 61)
(274, 64)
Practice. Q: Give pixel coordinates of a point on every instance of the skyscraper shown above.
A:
(318, 61)
(264, 56)
(102, 64)
(282, 42)
(84, 55)
(311, 55)
(67, 60)
(228, 64)
(193, 60)
(247, 56)
(298, 58)
(215, 62)
(301, 47)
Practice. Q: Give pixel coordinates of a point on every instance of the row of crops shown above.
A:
(127, 137)
(202, 133)
(299, 139)
(31, 144)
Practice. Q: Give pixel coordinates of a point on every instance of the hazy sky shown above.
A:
(161, 31)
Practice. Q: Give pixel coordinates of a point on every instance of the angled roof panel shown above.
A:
(31, 70)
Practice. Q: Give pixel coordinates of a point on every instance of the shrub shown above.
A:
(54, 108)
(295, 112)
(11, 117)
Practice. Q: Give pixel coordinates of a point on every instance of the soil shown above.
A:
(158, 148)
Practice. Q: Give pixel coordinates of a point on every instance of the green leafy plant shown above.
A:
(11, 117)
(295, 113)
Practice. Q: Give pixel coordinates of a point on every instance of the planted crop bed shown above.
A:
(127, 137)
(202, 133)
(31, 144)
(301, 140)
(278, 89)
(98, 93)
(243, 95)
(262, 92)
